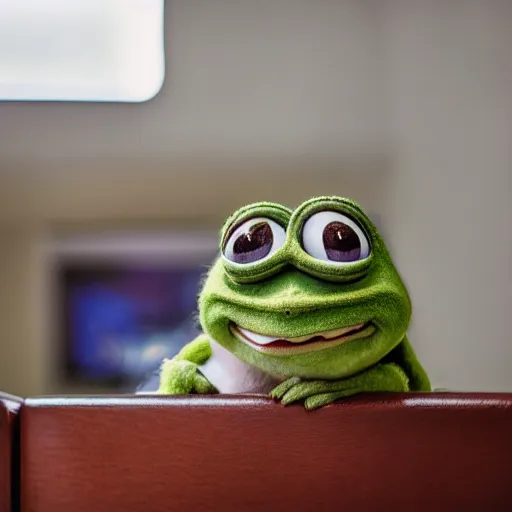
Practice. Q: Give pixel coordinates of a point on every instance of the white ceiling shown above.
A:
(101, 50)
(244, 80)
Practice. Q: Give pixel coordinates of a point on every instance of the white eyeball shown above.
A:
(254, 240)
(334, 237)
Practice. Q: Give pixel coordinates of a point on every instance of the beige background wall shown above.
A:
(403, 105)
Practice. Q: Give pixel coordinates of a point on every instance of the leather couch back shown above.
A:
(245, 453)
(9, 408)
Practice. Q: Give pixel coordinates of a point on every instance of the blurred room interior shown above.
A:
(109, 211)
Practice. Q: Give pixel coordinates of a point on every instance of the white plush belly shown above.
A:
(232, 376)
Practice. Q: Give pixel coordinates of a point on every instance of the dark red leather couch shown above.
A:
(242, 453)
(9, 489)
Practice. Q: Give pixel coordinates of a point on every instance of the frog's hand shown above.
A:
(318, 393)
(404, 355)
(181, 376)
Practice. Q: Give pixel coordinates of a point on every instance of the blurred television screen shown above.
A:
(120, 315)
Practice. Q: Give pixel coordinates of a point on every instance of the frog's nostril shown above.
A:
(287, 313)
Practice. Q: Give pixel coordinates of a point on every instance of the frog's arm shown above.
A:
(180, 375)
(404, 355)
(197, 351)
(400, 371)
(318, 393)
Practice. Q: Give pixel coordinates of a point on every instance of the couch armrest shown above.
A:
(380, 452)
(9, 450)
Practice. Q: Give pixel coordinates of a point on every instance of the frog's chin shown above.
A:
(312, 342)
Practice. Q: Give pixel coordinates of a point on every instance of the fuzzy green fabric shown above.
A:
(318, 393)
(291, 294)
(180, 375)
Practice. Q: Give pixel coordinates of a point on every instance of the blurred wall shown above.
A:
(403, 105)
(450, 76)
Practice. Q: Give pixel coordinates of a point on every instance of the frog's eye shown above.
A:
(332, 236)
(254, 240)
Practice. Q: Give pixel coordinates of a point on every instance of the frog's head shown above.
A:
(311, 293)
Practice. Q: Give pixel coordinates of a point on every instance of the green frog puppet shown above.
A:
(303, 305)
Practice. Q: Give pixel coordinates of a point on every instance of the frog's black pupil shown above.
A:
(341, 242)
(254, 244)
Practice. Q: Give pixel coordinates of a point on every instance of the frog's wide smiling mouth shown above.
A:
(301, 344)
